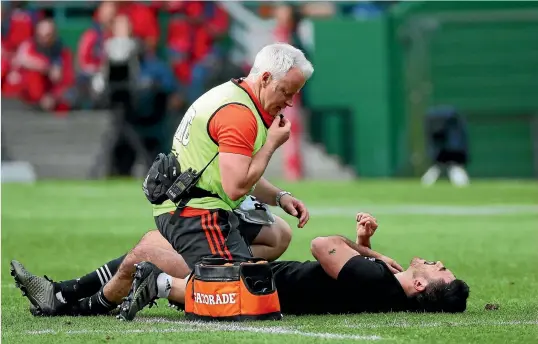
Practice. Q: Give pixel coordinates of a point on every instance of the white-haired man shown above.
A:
(234, 129)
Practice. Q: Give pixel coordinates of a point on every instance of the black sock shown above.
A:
(96, 304)
(89, 284)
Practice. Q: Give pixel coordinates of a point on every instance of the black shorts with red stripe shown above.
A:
(212, 233)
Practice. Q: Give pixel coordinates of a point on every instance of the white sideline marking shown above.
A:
(441, 324)
(279, 330)
(213, 327)
(231, 327)
(425, 209)
(149, 330)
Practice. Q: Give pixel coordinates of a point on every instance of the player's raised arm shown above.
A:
(366, 227)
(333, 252)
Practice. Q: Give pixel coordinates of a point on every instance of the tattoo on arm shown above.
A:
(333, 251)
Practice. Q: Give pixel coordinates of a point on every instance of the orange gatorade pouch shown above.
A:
(220, 289)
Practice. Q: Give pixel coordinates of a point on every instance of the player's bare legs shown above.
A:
(152, 247)
(166, 259)
(272, 241)
(177, 293)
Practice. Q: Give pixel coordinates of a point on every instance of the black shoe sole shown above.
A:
(125, 315)
(36, 309)
(127, 301)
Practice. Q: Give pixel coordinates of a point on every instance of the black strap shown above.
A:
(194, 192)
(207, 165)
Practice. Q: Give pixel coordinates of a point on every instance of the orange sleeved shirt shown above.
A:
(234, 129)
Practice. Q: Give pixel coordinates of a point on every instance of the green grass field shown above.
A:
(487, 234)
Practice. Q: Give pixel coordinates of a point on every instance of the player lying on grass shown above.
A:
(347, 277)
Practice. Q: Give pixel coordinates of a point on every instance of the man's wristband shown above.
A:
(280, 195)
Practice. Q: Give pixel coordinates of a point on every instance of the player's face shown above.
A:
(278, 94)
(431, 270)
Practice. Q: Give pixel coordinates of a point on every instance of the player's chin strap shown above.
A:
(184, 189)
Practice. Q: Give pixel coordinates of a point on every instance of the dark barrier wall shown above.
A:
(481, 57)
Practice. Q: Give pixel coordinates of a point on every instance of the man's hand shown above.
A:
(392, 264)
(55, 73)
(279, 132)
(366, 225)
(294, 207)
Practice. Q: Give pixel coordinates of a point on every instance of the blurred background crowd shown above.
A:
(62, 67)
(149, 60)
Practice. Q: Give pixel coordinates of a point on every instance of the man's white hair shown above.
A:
(278, 59)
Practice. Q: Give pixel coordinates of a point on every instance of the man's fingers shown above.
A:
(369, 223)
(276, 122)
(293, 210)
(303, 219)
(281, 122)
(307, 217)
(397, 266)
(366, 217)
(302, 213)
(393, 270)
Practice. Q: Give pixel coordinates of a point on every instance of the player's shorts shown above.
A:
(214, 233)
(249, 231)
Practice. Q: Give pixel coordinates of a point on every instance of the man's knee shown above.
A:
(155, 238)
(272, 241)
(284, 232)
(276, 236)
(139, 252)
(150, 241)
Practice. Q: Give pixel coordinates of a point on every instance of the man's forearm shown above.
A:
(266, 192)
(362, 250)
(364, 241)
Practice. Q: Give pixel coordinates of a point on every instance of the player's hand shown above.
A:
(366, 225)
(279, 132)
(392, 265)
(296, 208)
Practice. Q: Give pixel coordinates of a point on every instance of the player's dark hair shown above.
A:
(439, 296)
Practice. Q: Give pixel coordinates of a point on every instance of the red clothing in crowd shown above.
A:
(90, 49)
(20, 27)
(17, 28)
(34, 72)
(191, 32)
(212, 20)
(143, 21)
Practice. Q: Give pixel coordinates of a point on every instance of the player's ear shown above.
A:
(420, 283)
(266, 79)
